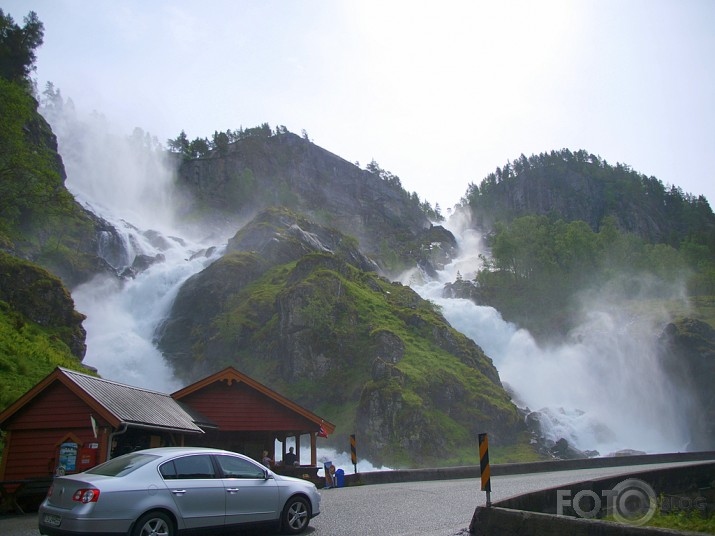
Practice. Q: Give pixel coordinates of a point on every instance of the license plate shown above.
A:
(52, 520)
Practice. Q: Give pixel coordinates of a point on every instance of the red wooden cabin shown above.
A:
(71, 421)
(249, 417)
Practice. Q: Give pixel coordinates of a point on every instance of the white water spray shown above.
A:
(128, 183)
(604, 390)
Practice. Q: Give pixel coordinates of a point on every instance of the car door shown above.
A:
(251, 493)
(197, 490)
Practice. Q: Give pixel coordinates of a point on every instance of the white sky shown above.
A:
(438, 93)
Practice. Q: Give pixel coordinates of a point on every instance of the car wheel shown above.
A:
(154, 524)
(296, 516)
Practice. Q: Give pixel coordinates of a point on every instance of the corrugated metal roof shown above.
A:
(134, 405)
(198, 417)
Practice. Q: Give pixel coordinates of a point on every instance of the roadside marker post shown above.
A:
(484, 467)
(353, 452)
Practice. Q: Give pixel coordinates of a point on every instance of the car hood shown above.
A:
(292, 479)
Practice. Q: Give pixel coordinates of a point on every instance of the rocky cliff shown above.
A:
(286, 170)
(687, 349)
(39, 219)
(40, 297)
(39, 327)
(581, 186)
(299, 307)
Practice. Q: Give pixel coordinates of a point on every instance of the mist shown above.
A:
(602, 389)
(117, 176)
(129, 182)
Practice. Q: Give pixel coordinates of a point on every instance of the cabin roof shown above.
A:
(230, 375)
(118, 403)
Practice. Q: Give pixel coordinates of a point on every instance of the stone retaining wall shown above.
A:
(536, 513)
(472, 471)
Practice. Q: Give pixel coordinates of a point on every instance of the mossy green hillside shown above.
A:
(28, 353)
(39, 218)
(338, 311)
(39, 327)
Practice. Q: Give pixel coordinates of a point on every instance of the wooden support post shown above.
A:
(313, 450)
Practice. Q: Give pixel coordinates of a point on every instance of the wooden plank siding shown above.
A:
(239, 407)
(37, 430)
(55, 407)
(237, 412)
(32, 454)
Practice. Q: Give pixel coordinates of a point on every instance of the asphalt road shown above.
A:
(436, 508)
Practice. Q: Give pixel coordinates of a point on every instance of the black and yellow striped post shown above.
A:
(484, 466)
(353, 452)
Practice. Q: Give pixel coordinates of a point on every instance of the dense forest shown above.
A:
(220, 146)
(40, 225)
(567, 223)
(610, 190)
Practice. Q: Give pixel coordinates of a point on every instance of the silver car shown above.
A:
(166, 491)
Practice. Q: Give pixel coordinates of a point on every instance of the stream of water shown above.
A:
(602, 390)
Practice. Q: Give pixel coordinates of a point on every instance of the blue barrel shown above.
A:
(340, 478)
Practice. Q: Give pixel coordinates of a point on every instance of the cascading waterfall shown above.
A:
(128, 184)
(603, 390)
(122, 181)
(122, 317)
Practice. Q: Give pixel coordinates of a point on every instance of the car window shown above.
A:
(192, 467)
(123, 465)
(235, 467)
(168, 471)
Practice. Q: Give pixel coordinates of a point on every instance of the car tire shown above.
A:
(295, 516)
(154, 524)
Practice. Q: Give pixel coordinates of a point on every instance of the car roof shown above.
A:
(174, 451)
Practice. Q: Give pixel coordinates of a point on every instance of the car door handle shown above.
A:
(231, 490)
(178, 491)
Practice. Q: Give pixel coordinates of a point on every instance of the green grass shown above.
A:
(521, 452)
(685, 521)
(341, 312)
(692, 519)
(703, 308)
(28, 353)
(698, 307)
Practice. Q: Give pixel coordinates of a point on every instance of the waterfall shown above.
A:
(127, 182)
(603, 389)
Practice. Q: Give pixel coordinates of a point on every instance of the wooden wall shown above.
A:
(35, 433)
(240, 407)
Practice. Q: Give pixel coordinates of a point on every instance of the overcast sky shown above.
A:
(438, 93)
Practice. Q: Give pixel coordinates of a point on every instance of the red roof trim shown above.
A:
(230, 375)
(59, 375)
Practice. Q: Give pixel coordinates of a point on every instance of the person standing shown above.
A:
(290, 458)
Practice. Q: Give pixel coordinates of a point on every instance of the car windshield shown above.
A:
(123, 465)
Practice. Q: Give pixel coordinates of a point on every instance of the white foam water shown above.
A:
(603, 389)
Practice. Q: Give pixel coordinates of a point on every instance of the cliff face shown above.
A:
(39, 219)
(572, 195)
(581, 186)
(40, 297)
(575, 195)
(289, 171)
(299, 307)
(688, 353)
